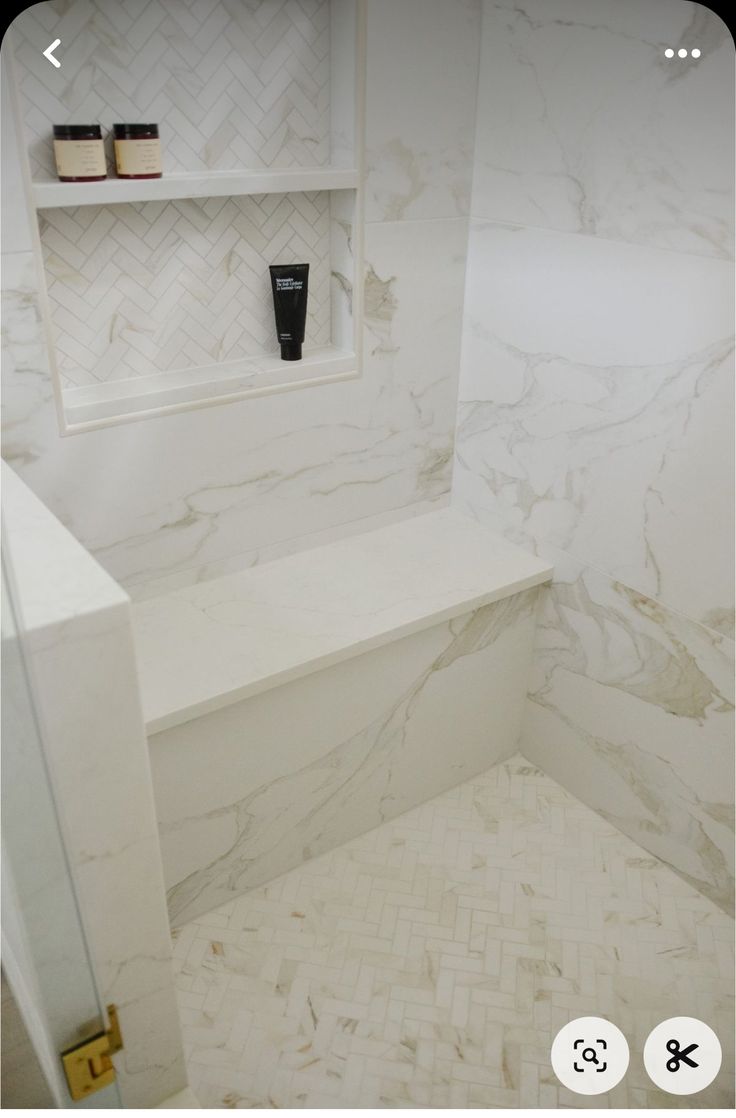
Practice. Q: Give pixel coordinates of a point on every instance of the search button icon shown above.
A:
(590, 1055)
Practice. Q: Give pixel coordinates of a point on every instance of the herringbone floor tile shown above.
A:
(430, 962)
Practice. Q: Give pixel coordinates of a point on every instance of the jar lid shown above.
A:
(78, 131)
(125, 131)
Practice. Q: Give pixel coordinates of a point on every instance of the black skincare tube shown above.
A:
(289, 285)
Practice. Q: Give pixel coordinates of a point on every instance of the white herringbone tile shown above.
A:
(232, 84)
(431, 961)
(163, 286)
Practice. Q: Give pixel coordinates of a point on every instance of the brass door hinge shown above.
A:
(87, 1066)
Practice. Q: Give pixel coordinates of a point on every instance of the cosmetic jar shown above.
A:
(137, 151)
(79, 152)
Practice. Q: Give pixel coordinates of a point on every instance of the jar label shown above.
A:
(79, 159)
(138, 157)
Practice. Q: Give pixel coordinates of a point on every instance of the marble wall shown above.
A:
(249, 791)
(173, 499)
(595, 389)
(78, 648)
(596, 398)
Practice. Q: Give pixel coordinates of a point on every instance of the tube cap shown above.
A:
(291, 351)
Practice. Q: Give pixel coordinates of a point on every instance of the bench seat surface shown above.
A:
(211, 644)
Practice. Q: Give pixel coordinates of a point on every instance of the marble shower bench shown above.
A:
(299, 703)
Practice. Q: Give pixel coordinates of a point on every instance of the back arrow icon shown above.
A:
(49, 53)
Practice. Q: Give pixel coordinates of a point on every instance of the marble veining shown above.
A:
(596, 399)
(603, 433)
(78, 644)
(430, 962)
(204, 487)
(365, 778)
(242, 560)
(419, 128)
(209, 645)
(632, 705)
(200, 491)
(635, 147)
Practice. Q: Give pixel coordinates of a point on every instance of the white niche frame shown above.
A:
(111, 403)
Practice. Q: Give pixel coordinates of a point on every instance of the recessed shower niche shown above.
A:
(156, 292)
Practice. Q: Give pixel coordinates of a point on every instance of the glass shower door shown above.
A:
(44, 951)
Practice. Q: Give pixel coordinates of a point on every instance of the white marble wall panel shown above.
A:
(178, 493)
(142, 591)
(172, 500)
(596, 408)
(421, 86)
(43, 949)
(82, 665)
(631, 705)
(113, 842)
(596, 398)
(249, 791)
(588, 128)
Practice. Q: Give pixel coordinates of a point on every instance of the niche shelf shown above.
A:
(155, 293)
(192, 184)
(162, 393)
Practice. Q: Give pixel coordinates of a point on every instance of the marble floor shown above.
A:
(430, 962)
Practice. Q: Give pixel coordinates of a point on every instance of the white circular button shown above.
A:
(682, 1055)
(695, 52)
(669, 53)
(590, 1055)
(682, 53)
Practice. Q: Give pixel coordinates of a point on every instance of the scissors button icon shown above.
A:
(679, 1055)
(687, 1046)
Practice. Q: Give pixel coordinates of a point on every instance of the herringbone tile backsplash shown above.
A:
(234, 83)
(159, 286)
(162, 286)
